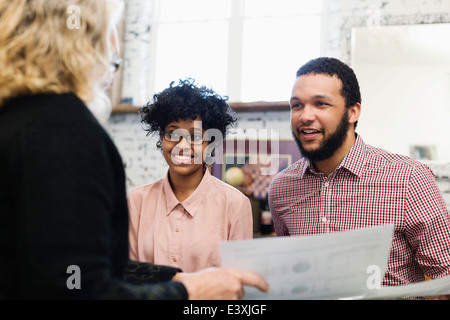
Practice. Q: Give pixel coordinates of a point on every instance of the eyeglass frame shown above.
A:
(187, 136)
(115, 65)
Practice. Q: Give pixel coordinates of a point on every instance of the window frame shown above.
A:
(235, 47)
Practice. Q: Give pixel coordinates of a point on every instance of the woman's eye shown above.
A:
(173, 136)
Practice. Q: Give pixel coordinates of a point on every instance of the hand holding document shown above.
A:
(341, 265)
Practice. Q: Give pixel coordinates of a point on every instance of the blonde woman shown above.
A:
(63, 209)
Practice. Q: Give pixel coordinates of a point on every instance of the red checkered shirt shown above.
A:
(370, 187)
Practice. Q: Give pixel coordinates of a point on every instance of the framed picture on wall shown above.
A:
(250, 165)
(423, 152)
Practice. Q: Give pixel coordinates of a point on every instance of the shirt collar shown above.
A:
(193, 202)
(353, 160)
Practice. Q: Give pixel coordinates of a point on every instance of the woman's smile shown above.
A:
(181, 158)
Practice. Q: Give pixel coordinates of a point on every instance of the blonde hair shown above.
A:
(42, 52)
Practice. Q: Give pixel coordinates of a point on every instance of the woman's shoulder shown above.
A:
(219, 186)
(142, 190)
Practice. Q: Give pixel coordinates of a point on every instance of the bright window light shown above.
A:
(271, 8)
(248, 50)
(197, 50)
(191, 10)
(273, 50)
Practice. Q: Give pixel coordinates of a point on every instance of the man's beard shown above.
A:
(329, 145)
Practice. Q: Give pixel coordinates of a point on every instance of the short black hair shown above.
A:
(332, 66)
(187, 100)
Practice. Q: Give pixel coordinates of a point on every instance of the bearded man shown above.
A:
(341, 183)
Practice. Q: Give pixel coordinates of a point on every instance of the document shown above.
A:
(340, 265)
(430, 289)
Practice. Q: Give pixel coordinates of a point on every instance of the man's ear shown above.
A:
(354, 113)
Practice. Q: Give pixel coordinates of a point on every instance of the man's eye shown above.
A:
(196, 137)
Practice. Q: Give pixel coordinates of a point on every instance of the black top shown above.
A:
(63, 203)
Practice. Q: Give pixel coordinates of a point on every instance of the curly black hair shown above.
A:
(187, 100)
(332, 66)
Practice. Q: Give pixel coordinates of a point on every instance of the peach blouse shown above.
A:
(186, 234)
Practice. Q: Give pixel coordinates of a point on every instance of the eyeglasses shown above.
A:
(115, 65)
(176, 136)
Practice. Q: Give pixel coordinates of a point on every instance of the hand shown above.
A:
(219, 284)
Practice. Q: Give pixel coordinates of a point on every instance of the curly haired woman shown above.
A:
(180, 220)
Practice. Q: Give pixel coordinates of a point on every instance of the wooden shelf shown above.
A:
(258, 106)
(125, 108)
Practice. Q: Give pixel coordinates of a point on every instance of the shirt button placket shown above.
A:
(176, 239)
(324, 213)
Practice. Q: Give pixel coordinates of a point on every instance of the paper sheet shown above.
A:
(330, 266)
(339, 265)
(431, 289)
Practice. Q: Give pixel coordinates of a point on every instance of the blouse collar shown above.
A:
(193, 202)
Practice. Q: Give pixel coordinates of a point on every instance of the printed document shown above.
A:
(326, 266)
(340, 265)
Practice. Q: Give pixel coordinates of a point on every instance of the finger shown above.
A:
(241, 293)
(252, 279)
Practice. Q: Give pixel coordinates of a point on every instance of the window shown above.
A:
(248, 50)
